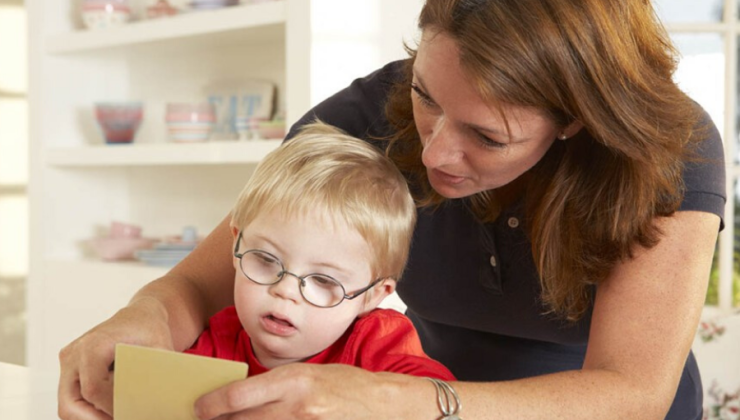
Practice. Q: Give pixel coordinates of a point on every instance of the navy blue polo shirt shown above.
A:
(472, 289)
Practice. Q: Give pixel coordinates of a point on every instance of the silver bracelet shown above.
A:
(447, 399)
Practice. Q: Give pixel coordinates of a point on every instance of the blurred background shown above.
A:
(13, 180)
(705, 31)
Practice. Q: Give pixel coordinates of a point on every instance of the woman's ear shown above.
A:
(234, 231)
(572, 129)
(380, 291)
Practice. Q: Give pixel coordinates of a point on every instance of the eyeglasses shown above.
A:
(320, 290)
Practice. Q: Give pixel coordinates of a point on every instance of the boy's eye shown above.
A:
(267, 260)
(323, 282)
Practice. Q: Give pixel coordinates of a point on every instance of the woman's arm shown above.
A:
(643, 324)
(170, 312)
(196, 288)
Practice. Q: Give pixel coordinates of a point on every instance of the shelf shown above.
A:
(134, 272)
(257, 22)
(696, 27)
(208, 153)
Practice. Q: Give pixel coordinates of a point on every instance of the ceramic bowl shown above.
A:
(101, 14)
(119, 121)
(124, 230)
(190, 122)
(102, 19)
(269, 130)
(212, 4)
(187, 112)
(162, 8)
(115, 3)
(115, 249)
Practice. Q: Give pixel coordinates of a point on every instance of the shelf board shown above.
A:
(143, 154)
(696, 27)
(258, 22)
(136, 271)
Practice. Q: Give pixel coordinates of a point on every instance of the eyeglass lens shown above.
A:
(263, 268)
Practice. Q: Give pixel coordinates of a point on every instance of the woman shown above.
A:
(571, 198)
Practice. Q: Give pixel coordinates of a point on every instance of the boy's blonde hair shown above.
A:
(348, 179)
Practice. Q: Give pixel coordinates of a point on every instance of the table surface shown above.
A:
(27, 394)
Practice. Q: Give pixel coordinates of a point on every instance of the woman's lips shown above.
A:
(278, 325)
(447, 178)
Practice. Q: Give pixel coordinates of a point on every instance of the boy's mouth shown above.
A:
(278, 324)
(280, 321)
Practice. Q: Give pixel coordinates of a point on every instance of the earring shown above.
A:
(563, 136)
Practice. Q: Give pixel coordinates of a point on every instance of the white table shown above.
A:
(26, 394)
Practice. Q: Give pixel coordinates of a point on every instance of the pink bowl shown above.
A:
(119, 121)
(105, 7)
(115, 2)
(124, 230)
(269, 130)
(183, 112)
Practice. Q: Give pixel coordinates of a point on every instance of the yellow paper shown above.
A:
(154, 384)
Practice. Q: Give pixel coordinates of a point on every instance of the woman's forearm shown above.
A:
(572, 395)
(176, 302)
(195, 289)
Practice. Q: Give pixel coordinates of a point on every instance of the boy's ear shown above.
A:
(380, 291)
(235, 234)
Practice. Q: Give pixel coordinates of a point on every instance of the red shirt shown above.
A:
(384, 340)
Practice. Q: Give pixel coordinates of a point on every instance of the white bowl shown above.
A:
(102, 19)
(187, 132)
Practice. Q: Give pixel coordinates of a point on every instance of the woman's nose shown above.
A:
(442, 146)
(287, 288)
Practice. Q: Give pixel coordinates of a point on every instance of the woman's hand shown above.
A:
(86, 379)
(307, 391)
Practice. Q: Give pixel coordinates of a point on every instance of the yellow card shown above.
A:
(163, 385)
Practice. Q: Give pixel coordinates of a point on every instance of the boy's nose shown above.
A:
(286, 288)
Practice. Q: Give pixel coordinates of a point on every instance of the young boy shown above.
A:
(321, 235)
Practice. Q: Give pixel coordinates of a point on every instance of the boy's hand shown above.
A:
(86, 380)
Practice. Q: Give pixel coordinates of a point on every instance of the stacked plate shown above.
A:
(212, 4)
(166, 253)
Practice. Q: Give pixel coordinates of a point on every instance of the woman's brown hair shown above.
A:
(605, 63)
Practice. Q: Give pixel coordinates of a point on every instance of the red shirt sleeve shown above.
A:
(223, 337)
(386, 340)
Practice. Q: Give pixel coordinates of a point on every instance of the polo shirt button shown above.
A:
(513, 222)
(492, 260)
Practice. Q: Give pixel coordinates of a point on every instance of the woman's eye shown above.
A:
(423, 97)
(489, 143)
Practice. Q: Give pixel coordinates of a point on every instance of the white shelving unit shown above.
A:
(307, 48)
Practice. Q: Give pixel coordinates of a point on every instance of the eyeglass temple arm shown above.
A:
(365, 289)
(236, 245)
